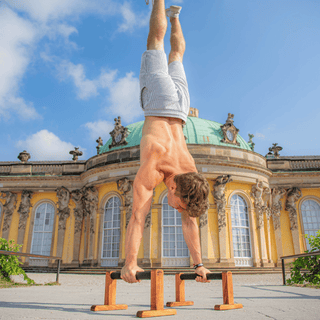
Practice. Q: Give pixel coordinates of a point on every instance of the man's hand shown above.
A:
(202, 271)
(128, 273)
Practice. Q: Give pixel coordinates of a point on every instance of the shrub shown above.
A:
(9, 265)
(311, 264)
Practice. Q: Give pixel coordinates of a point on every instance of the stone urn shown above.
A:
(24, 156)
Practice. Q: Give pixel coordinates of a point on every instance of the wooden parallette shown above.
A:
(227, 287)
(157, 301)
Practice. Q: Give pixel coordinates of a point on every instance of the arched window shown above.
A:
(111, 233)
(310, 211)
(174, 249)
(42, 232)
(240, 231)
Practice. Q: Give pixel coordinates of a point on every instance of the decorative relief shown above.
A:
(220, 199)
(126, 187)
(277, 195)
(91, 199)
(257, 192)
(63, 195)
(77, 198)
(118, 134)
(24, 156)
(76, 153)
(203, 220)
(230, 132)
(100, 144)
(8, 207)
(274, 151)
(266, 208)
(293, 195)
(24, 208)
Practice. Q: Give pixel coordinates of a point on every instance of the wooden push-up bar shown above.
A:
(157, 300)
(227, 288)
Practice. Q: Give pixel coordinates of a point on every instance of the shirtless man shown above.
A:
(164, 155)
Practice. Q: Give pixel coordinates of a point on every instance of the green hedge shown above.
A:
(9, 265)
(311, 264)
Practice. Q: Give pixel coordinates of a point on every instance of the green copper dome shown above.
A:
(197, 131)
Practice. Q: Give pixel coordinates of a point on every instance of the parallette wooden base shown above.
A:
(179, 304)
(111, 307)
(156, 313)
(228, 306)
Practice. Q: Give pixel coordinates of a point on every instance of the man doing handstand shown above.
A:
(164, 155)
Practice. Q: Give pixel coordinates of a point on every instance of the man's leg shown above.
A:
(178, 44)
(158, 26)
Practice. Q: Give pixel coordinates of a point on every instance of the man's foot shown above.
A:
(173, 11)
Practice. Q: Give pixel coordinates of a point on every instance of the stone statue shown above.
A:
(24, 208)
(250, 142)
(77, 198)
(24, 156)
(100, 144)
(220, 198)
(76, 153)
(277, 195)
(293, 195)
(257, 193)
(274, 151)
(266, 208)
(63, 195)
(8, 208)
(91, 200)
(126, 187)
(118, 134)
(229, 131)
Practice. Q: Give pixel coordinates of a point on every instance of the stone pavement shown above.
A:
(262, 296)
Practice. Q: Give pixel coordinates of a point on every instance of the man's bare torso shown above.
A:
(163, 145)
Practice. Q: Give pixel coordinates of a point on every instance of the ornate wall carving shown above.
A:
(63, 195)
(266, 208)
(257, 193)
(277, 195)
(126, 187)
(91, 199)
(220, 199)
(24, 208)
(293, 195)
(77, 198)
(8, 208)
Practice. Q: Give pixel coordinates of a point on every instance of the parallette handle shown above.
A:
(192, 276)
(139, 276)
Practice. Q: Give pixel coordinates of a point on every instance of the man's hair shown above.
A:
(193, 189)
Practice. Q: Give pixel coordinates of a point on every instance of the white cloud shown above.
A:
(85, 88)
(260, 136)
(45, 145)
(124, 98)
(17, 38)
(131, 19)
(99, 129)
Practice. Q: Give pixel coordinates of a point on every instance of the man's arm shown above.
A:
(191, 235)
(148, 177)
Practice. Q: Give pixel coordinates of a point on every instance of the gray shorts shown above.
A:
(163, 89)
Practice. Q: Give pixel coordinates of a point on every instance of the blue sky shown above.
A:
(69, 67)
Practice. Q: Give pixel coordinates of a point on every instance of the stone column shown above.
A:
(77, 198)
(277, 195)
(293, 195)
(220, 200)
(23, 211)
(257, 193)
(203, 226)
(91, 200)
(8, 209)
(63, 195)
(122, 236)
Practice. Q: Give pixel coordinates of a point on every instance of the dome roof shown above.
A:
(197, 130)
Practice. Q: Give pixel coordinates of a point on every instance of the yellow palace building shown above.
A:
(261, 207)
